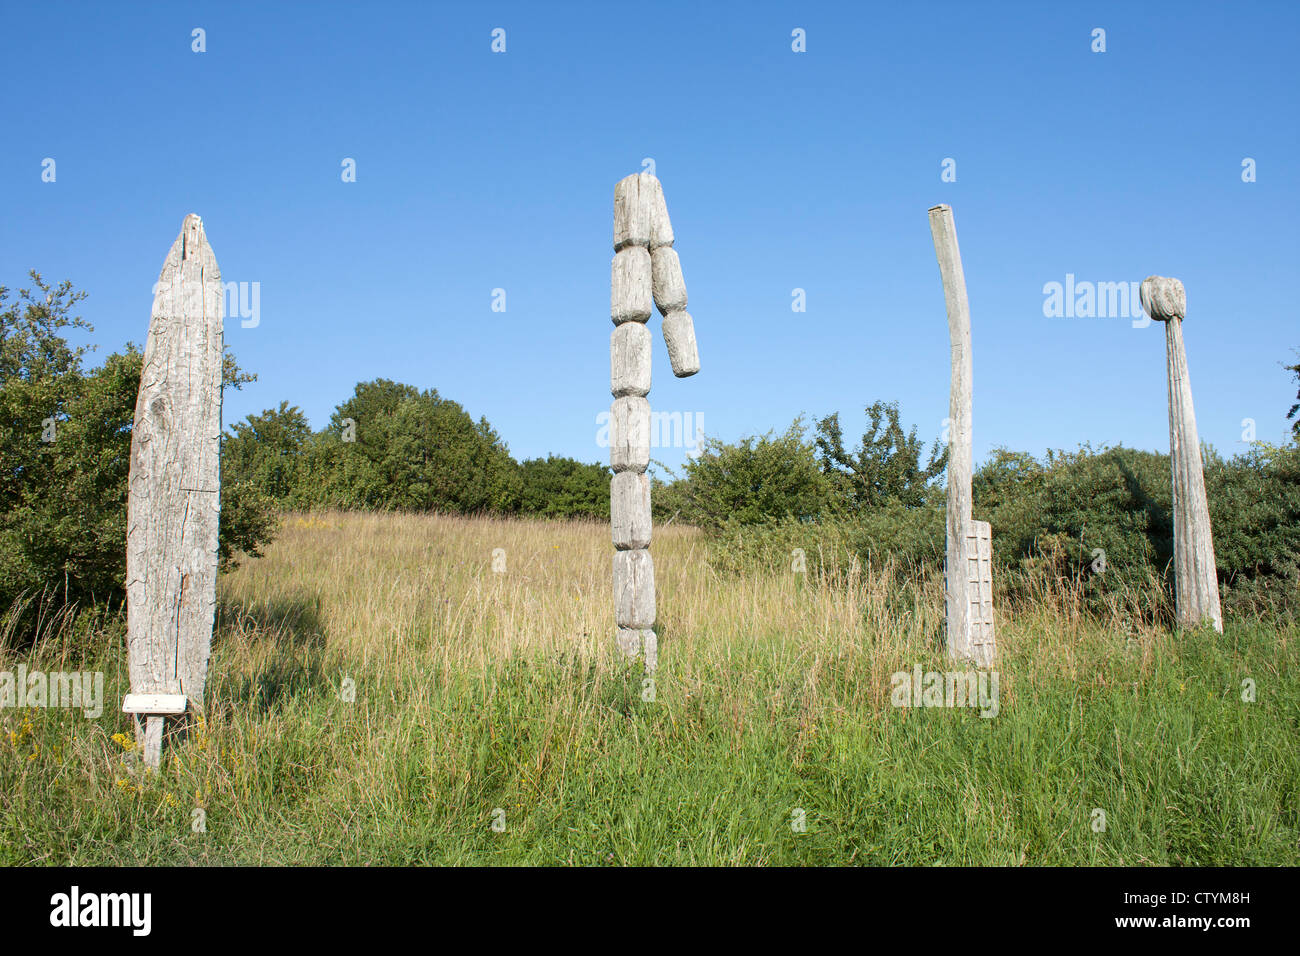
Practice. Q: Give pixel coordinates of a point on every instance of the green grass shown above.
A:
(750, 725)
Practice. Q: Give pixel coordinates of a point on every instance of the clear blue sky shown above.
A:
(782, 170)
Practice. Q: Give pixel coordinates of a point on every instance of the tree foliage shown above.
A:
(756, 479)
(65, 443)
(886, 464)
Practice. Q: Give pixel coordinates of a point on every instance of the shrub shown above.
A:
(555, 487)
(756, 479)
(65, 444)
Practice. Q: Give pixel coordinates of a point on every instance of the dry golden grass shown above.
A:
(478, 692)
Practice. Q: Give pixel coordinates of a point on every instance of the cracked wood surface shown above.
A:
(959, 596)
(174, 498)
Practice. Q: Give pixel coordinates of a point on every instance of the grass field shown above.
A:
(487, 698)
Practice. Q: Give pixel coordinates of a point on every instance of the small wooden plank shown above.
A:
(154, 704)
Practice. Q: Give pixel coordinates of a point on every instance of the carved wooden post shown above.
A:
(174, 499)
(968, 569)
(645, 269)
(1196, 581)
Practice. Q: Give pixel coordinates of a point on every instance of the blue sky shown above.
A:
(479, 171)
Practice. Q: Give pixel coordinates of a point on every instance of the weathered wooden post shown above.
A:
(968, 564)
(174, 499)
(645, 269)
(1196, 580)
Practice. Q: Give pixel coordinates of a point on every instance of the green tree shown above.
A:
(65, 443)
(754, 480)
(555, 487)
(265, 450)
(886, 465)
(391, 446)
(1295, 408)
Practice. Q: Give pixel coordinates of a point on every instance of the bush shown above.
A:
(886, 465)
(555, 487)
(1096, 525)
(1255, 517)
(1098, 521)
(408, 451)
(753, 481)
(65, 445)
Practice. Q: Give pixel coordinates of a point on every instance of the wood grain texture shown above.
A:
(979, 578)
(661, 227)
(667, 284)
(638, 642)
(1196, 579)
(957, 587)
(173, 504)
(629, 510)
(679, 336)
(631, 214)
(629, 286)
(629, 360)
(629, 434)
(634, 589)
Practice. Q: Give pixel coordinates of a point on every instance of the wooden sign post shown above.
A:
(174, 501)
(645, 269)
(968, 566)
(1196, 580)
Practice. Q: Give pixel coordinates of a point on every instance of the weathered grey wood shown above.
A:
(634, 642)
(634, 589)
(629, 641)
(631, 213)
(629, 434)
(173, 504)
(630, 286)
(679, 336)
(661, 227)
(629, 510)
(958, 591)
(979, 558)
(667, 284)
(637, 277)
(629, 360)
(650, 649)
(1196, 579)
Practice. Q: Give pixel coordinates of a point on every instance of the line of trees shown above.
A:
(65, 446)
(393, 447)
(65, 434)
(1099, 519)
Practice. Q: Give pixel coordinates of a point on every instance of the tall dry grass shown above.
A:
(377, 692)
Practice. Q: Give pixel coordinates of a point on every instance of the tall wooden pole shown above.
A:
(968, 601)
(174, 500)
(1196, 580)
(645, 269)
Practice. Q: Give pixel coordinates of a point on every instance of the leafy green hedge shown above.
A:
(1093, 521)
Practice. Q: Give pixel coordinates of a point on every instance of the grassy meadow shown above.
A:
(378, 694)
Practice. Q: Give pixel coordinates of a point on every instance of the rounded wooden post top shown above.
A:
(1163, 299)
